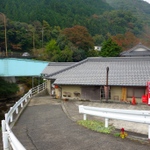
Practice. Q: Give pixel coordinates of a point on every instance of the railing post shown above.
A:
(84, 116)
(44, 84)
(106, 122)
(16, 109)
(38, 89)
(149, 132)
(30, 93)
(5, 136)
(6, 118)
(11, 118)
(22, 104)
(26, 99)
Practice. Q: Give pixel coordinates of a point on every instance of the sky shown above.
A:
(147, 1)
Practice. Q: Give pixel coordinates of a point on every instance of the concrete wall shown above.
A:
(116, 93)
(74, 93)
(71, 92)
(68, 92)
(48, 85)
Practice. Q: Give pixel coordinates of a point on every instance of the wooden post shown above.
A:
(107, 91)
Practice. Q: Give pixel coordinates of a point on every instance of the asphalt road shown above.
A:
(45, 126)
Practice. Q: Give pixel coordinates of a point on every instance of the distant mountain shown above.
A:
(44, 20)
(98, 16)
(57, 12)
(139, 8)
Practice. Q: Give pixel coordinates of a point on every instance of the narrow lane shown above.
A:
(45, 126)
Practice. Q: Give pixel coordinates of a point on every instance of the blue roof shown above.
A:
(21, 67)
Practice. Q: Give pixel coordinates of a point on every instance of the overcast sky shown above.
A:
(147, 1)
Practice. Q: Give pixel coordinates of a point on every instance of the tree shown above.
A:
(53, 50)
(7, 89)
(98, 39)
(66, 55)
(110, 49)
(80, 37)
(126, 41)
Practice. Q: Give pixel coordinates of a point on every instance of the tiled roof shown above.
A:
(138, 50)
(123, 71)
(54, 67)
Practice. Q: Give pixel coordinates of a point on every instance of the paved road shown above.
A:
(45, 126)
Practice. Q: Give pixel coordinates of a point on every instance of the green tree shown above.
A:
(78, 54)
(7, 89)
(66, 55)
(53, 50)
(110, 49)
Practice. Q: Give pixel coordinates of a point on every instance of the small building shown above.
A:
(137, 51)
(97, 48)
(52, 68)
(86, 80)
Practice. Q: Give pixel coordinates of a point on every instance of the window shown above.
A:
(135, 91)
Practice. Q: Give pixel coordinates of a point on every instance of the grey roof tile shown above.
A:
(54, 67)
(92, 71)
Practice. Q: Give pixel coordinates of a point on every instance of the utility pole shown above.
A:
(33, 39)
(5, 31)
(42, 37)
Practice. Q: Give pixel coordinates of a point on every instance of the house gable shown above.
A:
(137, 51)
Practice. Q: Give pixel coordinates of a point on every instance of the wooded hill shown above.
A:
(57, 26)
(63, 13)
(97, 15)
(139, 8)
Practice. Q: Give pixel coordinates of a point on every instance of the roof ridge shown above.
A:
(72, 66)
(140, 45)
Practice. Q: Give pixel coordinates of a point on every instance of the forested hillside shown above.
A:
(67, 30)
(139, 8)
(64, 13)
(97, 15)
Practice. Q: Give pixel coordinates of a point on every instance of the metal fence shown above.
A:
(138, 116)
(10, 142)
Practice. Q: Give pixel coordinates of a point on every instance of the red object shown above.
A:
(145, 99)
(56, 86)
(148, 92)
(133, 101)
(122, 129)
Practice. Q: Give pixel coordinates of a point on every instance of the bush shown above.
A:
(96, 126)
(7, 89)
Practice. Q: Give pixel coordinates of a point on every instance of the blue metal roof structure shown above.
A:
(21, 67)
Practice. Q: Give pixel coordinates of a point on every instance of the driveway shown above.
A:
(45, 126)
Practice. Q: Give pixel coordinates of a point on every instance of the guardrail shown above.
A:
(9, 139)
(138, 116)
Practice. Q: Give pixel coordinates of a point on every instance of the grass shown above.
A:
(96, 126)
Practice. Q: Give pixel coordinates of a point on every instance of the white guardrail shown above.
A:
(138, 116)
(10, 142)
